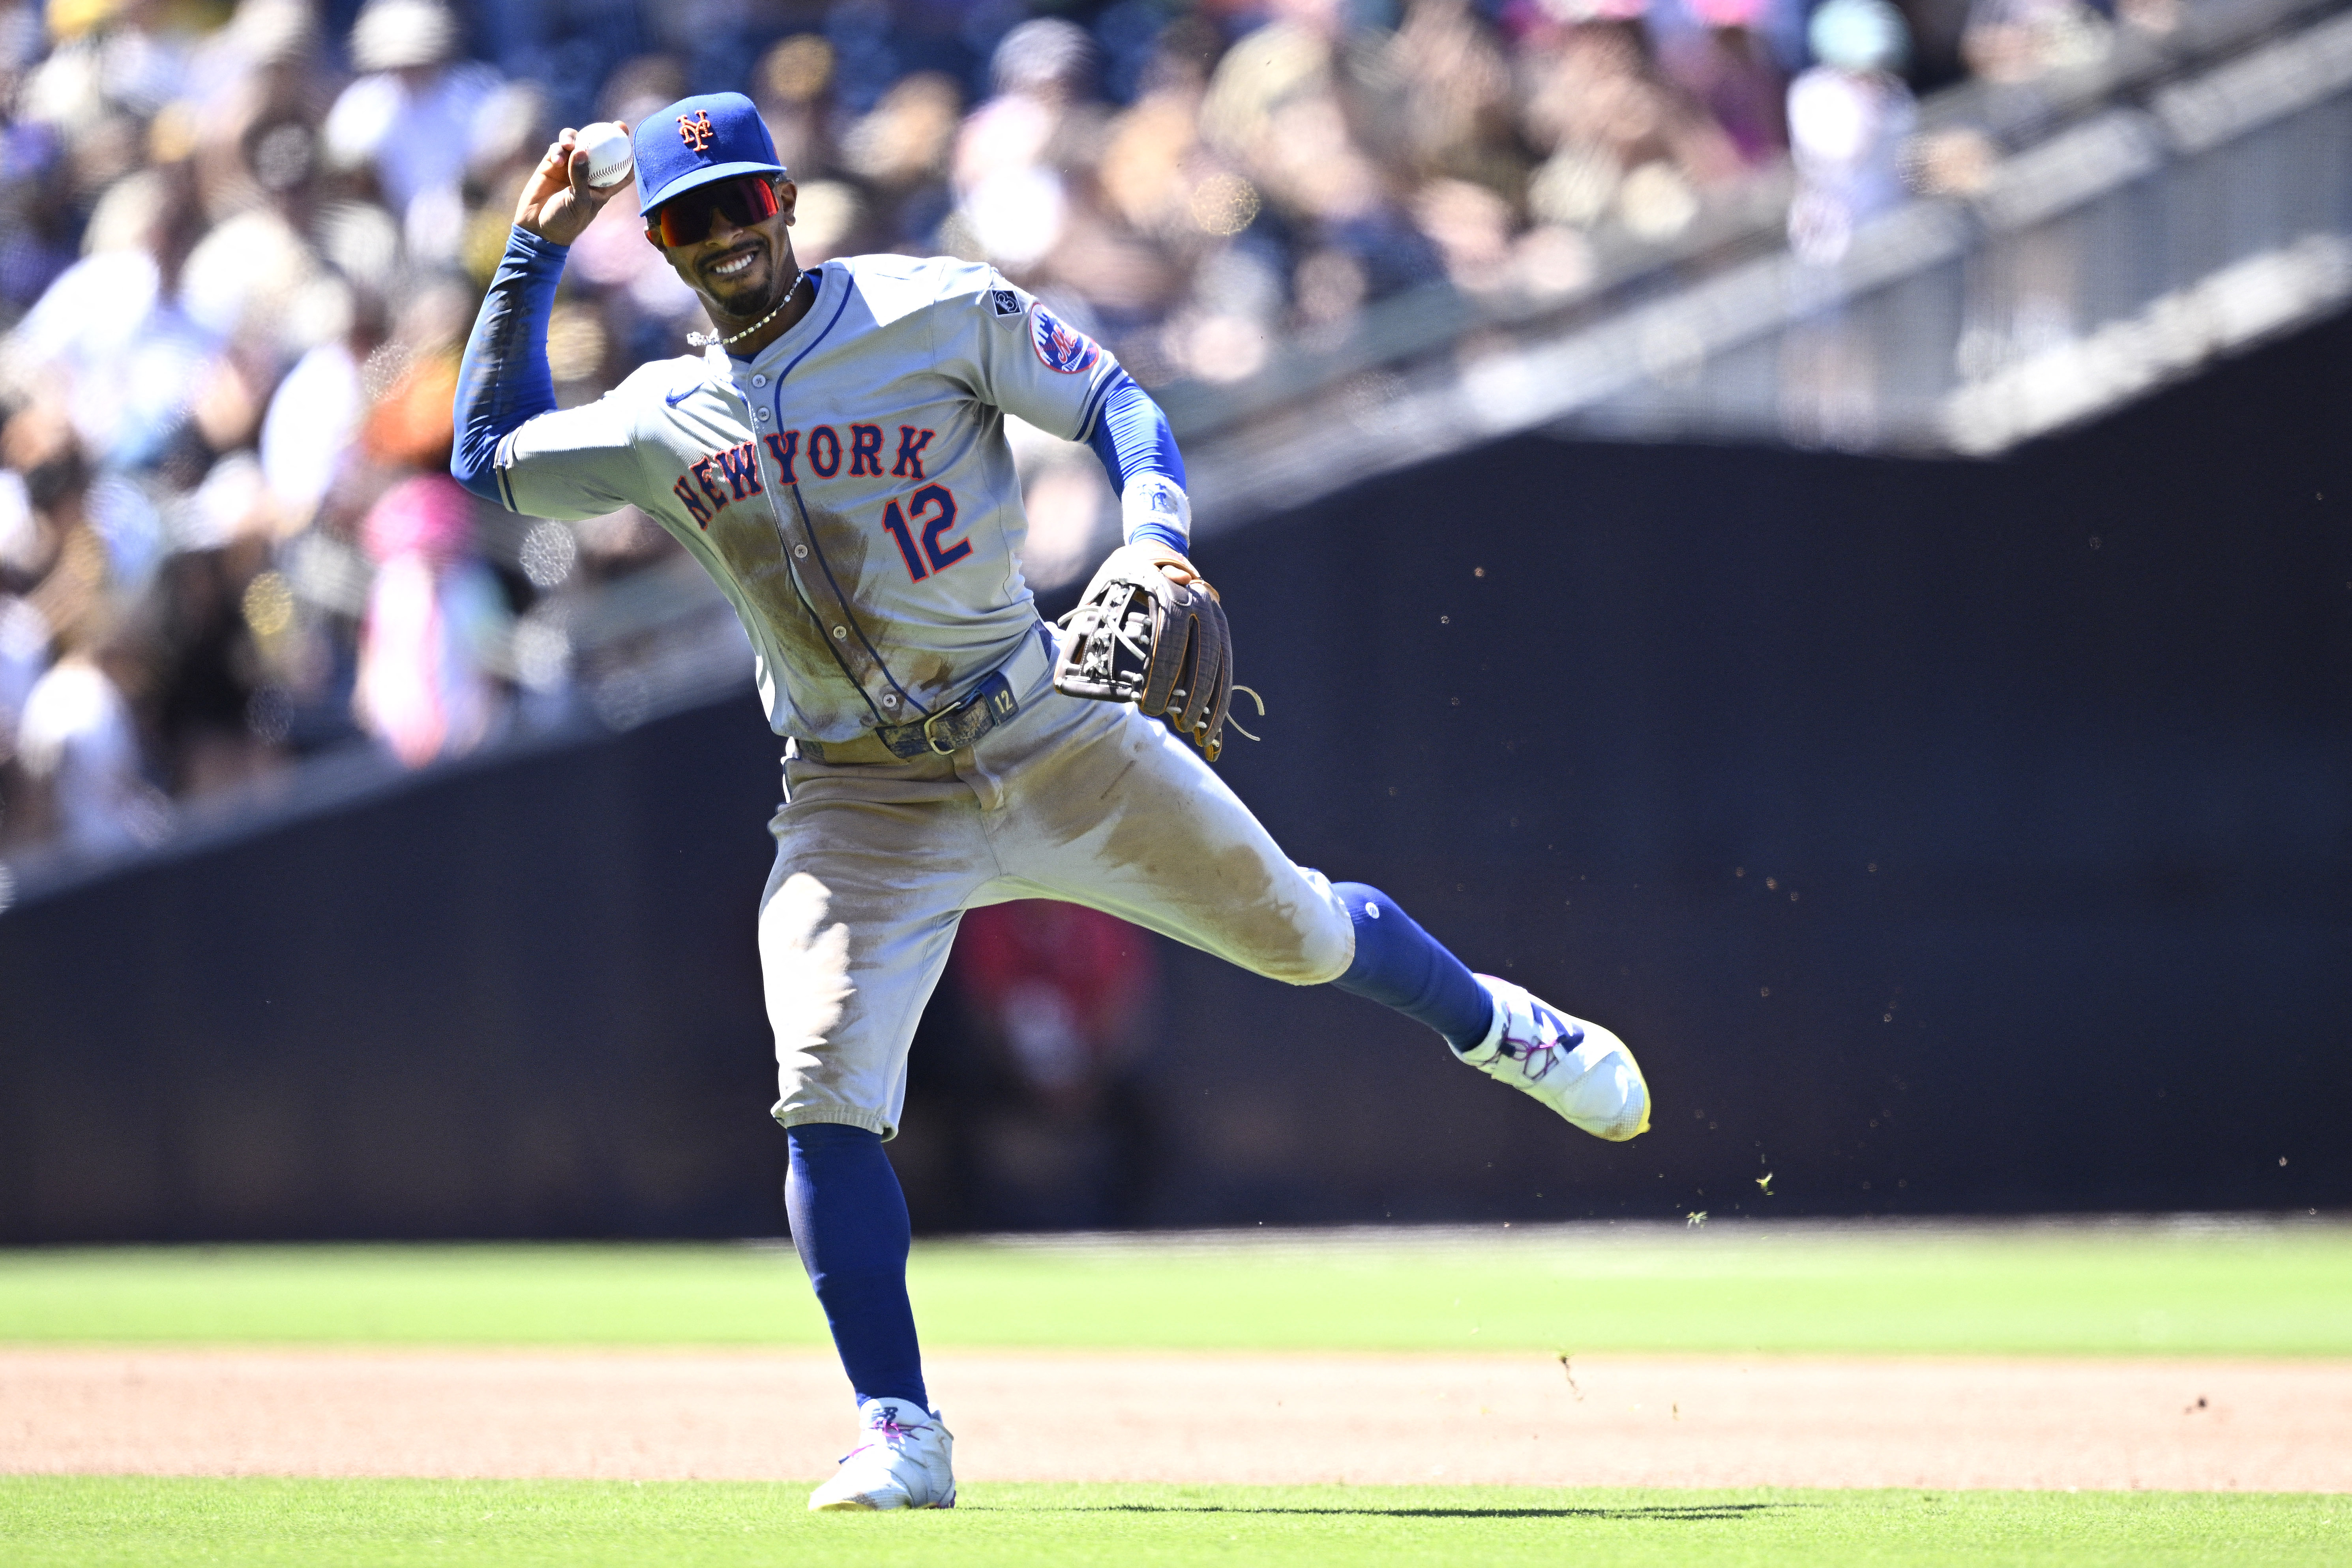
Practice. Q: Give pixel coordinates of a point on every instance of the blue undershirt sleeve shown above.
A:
(1159, 532)
(1132, 438)
(504, 379)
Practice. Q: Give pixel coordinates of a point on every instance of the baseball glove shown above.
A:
(1150, 630)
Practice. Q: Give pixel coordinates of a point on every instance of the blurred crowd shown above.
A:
(241, 246)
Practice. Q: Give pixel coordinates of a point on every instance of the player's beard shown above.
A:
(751, 294)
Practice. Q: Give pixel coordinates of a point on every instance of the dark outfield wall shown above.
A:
(1946, 836)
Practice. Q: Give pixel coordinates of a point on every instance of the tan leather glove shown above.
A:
(1152, 631)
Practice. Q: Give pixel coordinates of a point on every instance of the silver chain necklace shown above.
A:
(704, 340)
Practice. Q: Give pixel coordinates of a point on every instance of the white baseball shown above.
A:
(607, 146)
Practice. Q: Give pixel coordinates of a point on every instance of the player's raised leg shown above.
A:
(1106, 807)
(1579, 1068)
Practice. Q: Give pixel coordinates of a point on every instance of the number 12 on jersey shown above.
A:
(918, 536)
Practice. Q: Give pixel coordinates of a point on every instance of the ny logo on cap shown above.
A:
(694, 129)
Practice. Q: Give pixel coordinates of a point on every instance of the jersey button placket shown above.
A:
(800, 551)
(761, 414)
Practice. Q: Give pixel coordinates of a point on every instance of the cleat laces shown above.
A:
(886, 1433)
(1537, 1056)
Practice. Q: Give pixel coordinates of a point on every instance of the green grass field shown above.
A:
(158, 1523)
(2113, 1290)
(2098, 1289)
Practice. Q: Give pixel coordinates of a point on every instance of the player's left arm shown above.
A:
(1011, 350)
(1137, 449)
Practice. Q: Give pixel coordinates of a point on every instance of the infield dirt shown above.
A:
(1605, 1420)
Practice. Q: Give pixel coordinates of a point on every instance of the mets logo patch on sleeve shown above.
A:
(1062, 347)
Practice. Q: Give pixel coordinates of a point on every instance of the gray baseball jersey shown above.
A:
(850, 489)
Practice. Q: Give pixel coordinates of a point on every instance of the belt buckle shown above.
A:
(933, 740)
(995, 700)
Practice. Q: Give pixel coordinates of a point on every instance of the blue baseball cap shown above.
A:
(711, 136)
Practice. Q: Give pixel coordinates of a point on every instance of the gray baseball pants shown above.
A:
(1083, 800)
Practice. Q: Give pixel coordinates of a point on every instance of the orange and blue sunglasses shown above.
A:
(743, 201)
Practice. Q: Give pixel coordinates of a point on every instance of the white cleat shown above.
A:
(903, 1462)
(1580, 1069)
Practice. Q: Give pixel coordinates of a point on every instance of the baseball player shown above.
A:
(835, 459)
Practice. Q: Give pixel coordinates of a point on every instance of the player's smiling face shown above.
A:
(742, 272)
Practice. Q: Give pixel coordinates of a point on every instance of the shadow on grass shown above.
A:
(1691, 1513)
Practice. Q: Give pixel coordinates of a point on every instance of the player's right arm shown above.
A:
(506, 413)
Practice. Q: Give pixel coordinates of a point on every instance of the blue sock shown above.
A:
(849, 1224)
(1402, 966)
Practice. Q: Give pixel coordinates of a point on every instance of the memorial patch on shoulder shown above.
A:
(1006, 301)
(1061, 346)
